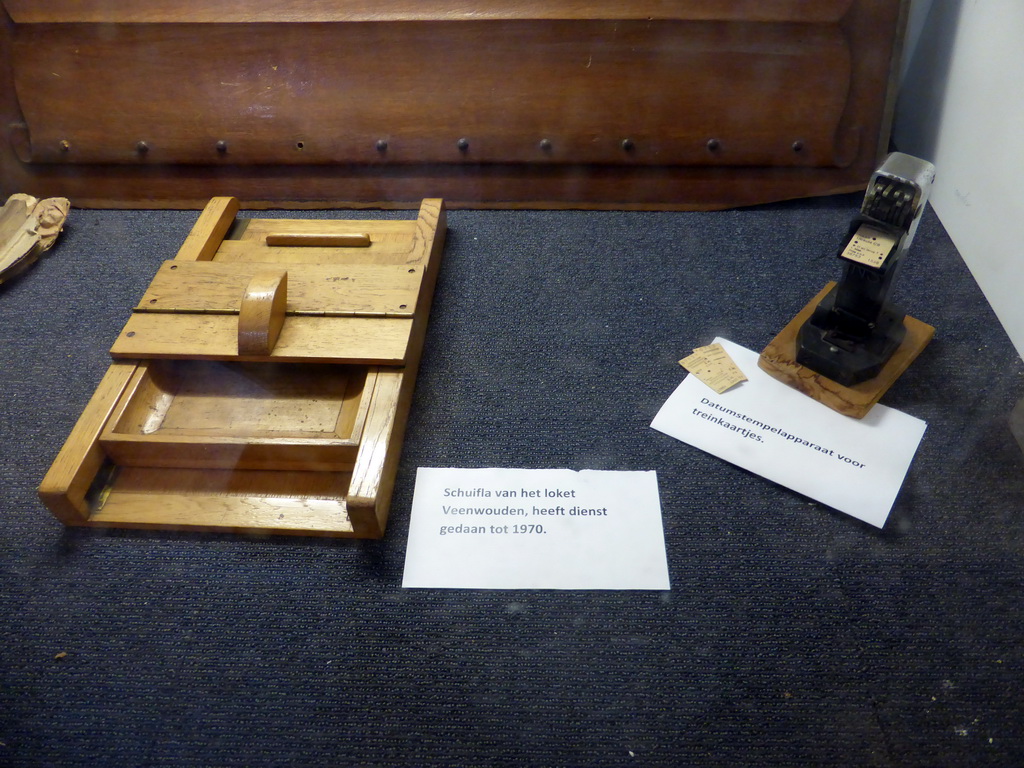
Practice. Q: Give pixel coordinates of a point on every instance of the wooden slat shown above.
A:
(320, 239)
(207, 233)
(300, 485)
(310, 503)
(68, 480)
(376, 463)
(256, 514)
(373, 477)
(303, 338)
(428, 246)
(252, 252)
(339, 290)
(226, 453)
(380, 231)
(520, 187)
(219, 11)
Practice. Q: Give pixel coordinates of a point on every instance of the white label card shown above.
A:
(855, 466)
(536, 529)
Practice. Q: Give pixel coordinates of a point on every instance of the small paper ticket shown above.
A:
(713, 366)
(869, 246)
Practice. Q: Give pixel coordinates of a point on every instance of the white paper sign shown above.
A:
(855, 466)
(536, 529)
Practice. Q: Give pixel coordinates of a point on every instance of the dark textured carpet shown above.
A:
(792, 635)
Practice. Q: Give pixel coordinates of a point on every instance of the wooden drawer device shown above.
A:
(262, 383)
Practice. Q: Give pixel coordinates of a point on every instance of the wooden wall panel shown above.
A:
(248, 11)
(312, 93)
(696, 104)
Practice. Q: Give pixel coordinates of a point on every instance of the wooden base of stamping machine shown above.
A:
(779, 360)
(262, 383)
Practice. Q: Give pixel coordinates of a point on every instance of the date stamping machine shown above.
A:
(851, 343)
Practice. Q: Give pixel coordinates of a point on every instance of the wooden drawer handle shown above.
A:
(341, 240)
(261, 314)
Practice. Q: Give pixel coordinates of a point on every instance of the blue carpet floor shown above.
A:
(792, 634)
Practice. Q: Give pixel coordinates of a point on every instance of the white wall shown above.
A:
(961, 106)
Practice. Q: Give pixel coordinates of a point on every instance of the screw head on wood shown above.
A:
(798, 145)
(628, 145)
(545, 145)
(462, 144)
(382, 145)
(714, 145)
(142, 147)
(65, 145)
(222, 146)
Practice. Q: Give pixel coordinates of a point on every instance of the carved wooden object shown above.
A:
(256, 386)
(28, 228)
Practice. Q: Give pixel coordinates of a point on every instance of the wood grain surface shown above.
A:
(778, 359)
(66, 483)
(218, 11)
(303, 339)
(340, 290)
